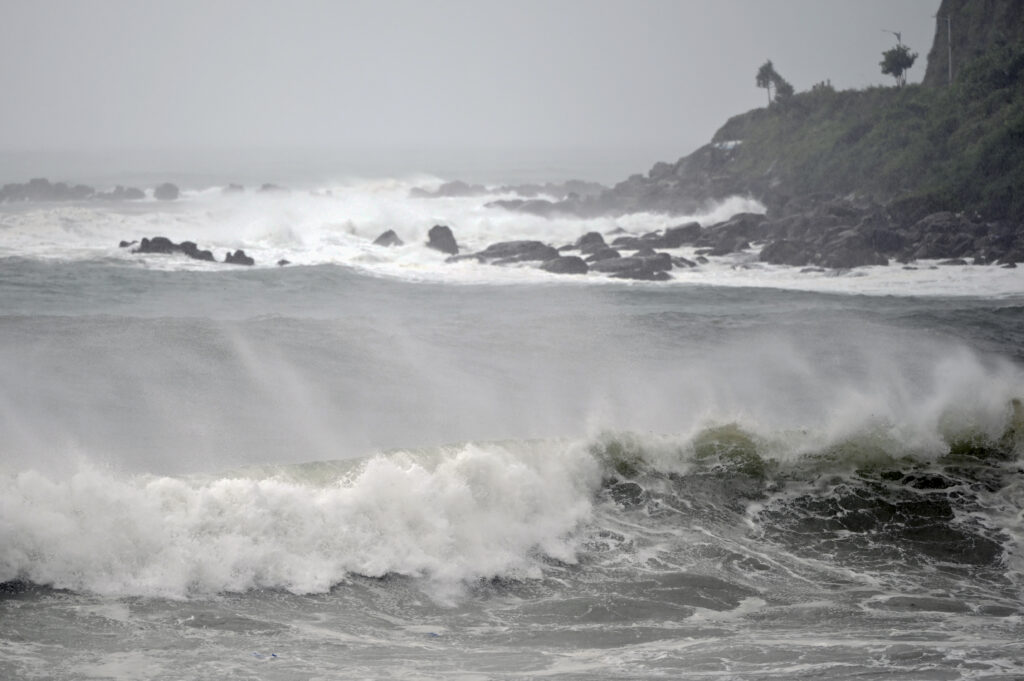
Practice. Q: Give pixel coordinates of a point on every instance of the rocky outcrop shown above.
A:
(569, 264)
(161, 244)
(517, 251)
(388, 238)
(120, 193)
(238, 258)
(41, 189)
(440, 238)
(648, 267)
(166, 192)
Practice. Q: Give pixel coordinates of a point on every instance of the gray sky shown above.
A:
(650, 74)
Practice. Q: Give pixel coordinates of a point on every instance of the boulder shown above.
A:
(238, 258)
(787, 252)
(590, 243)
(440, 238)
(270, 188)
(568, 264)
(122, 194)
(517, 251)
(674, 237)
(850, 249)
(635, 267)
(126, 244)
(161, 244)
(603, 254)
(166, 192)
(190, 249)
(233, 189)
(388, 238)
(282, 262)
(158, 244)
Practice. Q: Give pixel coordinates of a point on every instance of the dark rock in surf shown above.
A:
(648, 268)
(120, 193)
(590, 243)
(517, 251)
(158, 244)
(190, 249)
(568, 264)
(674, 237)
(282, 262)
(238, 258)
(166, 192)
(126, 244)
(233, 189)
(269, 188)
(440, 238)
(388, 238)
(603, 254)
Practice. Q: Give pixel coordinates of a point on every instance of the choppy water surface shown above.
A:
(374, 464)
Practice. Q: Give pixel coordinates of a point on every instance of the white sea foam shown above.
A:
(337, 225)
(468, 512)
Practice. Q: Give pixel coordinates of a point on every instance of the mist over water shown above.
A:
(373, 452)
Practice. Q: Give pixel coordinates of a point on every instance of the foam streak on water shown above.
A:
(375, 464)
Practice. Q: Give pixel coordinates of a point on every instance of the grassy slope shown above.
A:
(956, 148)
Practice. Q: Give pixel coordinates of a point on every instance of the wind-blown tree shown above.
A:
(896, 62)
(783, 90)
(766, 78)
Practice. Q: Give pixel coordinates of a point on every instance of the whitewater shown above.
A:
(373, 463)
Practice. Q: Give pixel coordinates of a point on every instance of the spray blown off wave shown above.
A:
(507, 510)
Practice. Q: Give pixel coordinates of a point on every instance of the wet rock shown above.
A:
(166, 192)
(41, 189)
(190, 249)
(158, 244)
(233, 189)
(677, 236)
(238, 258)
(647, 268)
(282, 262)
(954, 261)
(388, 238)
(517, 251)
(120, 193)
(126, 244)
(590, 242)
(440, 238)
(603, 254)
(270, 188)
(787, 252)
(680, 261)
(567, 264)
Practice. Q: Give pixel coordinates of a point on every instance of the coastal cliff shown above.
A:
(919, 149)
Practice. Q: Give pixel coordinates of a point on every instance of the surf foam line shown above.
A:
(475, 512)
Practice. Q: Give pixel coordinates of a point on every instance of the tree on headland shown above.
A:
(765, 78)
(768, 78)
(783, 90)
(896, 62)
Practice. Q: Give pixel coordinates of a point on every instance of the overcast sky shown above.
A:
(588, 74)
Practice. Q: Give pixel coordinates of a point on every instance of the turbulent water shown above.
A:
(371, 463)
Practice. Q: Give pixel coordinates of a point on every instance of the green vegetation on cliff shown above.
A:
(930, 148)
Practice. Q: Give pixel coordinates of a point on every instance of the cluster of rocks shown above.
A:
(844, 233)
(161, 244)
(41, 189)
(595, 254)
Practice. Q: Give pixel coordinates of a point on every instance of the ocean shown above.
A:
(371, 463)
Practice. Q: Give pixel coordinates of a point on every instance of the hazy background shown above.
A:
(409, 85)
